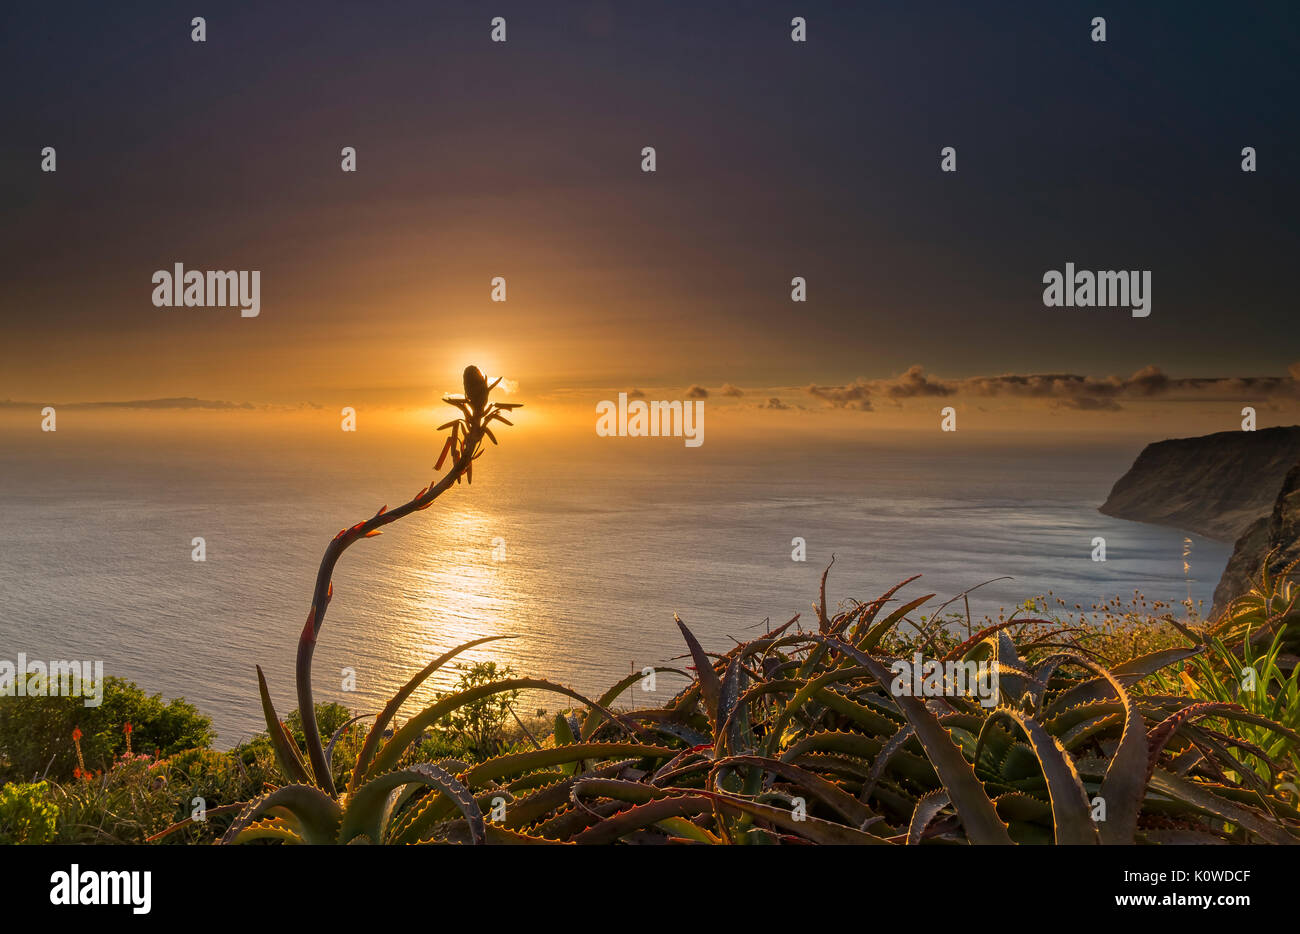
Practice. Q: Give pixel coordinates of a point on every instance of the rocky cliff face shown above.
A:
(1279, 530)
(1215, 485)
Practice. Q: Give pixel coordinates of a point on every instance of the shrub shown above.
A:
(127, 803)
(36, 732)
(480, 724)
(27, 815)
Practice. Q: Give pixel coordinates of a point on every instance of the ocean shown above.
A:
(584, 559)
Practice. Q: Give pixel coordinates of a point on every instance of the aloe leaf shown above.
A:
(366, 755)
(1071, 813)
(535, 806)
(835, 797)
(287, 753)
(514, 763)
(329, 750)
(883, 758)
(365, 812)
(317, 814)
(391, 751)
(1135, 669)
(979, 817)
(1205, 801)
(705, 675)
(274, 828)
(1124, 784)
(927, 808)
(594, 717)
(878, 631)
(812, 828)
(612, 828)
(804, 691)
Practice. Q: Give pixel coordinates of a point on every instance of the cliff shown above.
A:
(1216, 485)
(1278, 530)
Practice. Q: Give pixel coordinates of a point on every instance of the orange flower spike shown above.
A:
(76, 741)
(446, 448)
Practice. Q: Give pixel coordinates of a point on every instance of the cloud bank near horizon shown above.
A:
(1068, 390)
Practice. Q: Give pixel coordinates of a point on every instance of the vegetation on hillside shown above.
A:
(859, 729)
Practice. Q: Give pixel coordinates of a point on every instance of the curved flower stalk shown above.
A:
(463, 446)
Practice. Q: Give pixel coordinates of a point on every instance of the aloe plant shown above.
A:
(802, 736)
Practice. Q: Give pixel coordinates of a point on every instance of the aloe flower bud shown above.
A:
(476, 388)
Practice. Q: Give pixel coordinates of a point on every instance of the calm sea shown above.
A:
(95, 556)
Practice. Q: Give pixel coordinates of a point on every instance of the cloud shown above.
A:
(853, 396)
(180, 402)
(730, 390)
(1068, 390)
(697, 392)
(913, 383)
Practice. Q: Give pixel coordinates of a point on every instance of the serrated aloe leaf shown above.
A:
(811, 828)
(1207, 802)
(831, 794)
(733, 716)
(514, 763)
(287, 753)
(1124, 784)
(1135, 669)
(880, 629)
(533, 807)
(612, 828)
(927, 808)
(1071, 812)
(316, 813)
(273, 828)
(391, 751)
(1018, 806)
(366, 809)
(803, 693)
(594, 717)
(682, 828)
(385, 717)
(883, 758)
(706, 676)
(979, 817)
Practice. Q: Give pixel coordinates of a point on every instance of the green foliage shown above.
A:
(27, 815)
(479, 725)
(36, 732)
(1250, 661)
(125, 804)
(330, 716)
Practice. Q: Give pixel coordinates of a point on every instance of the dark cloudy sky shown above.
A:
(521, 159)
